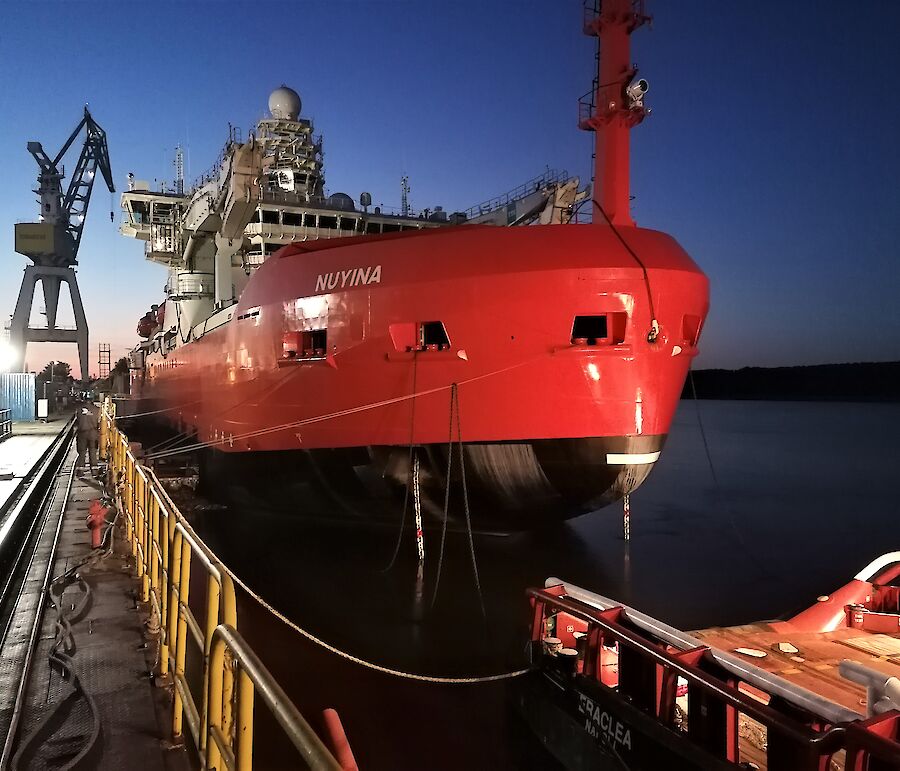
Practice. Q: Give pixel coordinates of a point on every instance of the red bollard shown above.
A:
(96, 520)
(337, 740)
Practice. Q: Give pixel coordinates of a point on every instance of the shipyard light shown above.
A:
(7, 355)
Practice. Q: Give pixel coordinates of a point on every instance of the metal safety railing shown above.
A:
(5, 423)
(217, 703)
(549, 177)
(803, 731)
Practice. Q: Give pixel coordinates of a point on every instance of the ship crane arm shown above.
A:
(220, 212)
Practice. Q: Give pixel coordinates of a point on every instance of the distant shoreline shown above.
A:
(857, 382)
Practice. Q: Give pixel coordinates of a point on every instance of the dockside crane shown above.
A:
(52, 243)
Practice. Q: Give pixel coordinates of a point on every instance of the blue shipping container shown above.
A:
(17, 390)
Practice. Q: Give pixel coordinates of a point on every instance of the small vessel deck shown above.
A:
(817, 691)
(815, 665)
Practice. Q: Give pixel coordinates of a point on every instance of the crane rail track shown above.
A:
(22, 521)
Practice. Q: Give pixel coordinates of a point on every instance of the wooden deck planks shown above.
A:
(815, 667)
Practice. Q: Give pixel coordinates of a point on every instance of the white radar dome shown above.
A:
(284, 103)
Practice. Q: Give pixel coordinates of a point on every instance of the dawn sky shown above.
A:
(772, 152)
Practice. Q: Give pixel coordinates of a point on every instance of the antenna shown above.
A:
(179, 169)
(404, 195)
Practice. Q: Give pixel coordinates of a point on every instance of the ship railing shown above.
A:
(651, 666)
(586, 106)
(549, 177)
(290, 198)
(213, 672)
(252, 677)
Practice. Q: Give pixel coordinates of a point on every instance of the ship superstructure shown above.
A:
(268, 192)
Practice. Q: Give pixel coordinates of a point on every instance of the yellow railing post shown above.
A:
(164, 547)
(128, 495)
(122, 489)
(228, 697)
(155, 552)
(180, 593)
(166, 580)
(104, 430)
(213, 603)
(172, 609)
(147, 546)
(244, 754)
(229, 616)
(215, 702)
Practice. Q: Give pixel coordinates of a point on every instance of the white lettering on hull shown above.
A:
(346, 279)
(598, 723)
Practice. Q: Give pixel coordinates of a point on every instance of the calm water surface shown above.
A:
(806, 496)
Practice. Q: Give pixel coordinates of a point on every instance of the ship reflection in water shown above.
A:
(806, 497)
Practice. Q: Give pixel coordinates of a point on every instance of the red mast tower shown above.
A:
(615, 104)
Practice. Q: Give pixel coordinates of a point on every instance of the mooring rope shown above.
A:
(363, 662)
(334, 415)
(465, 490)
(437, 679)
(157, 412)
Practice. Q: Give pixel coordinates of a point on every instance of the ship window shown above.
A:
(327, 221)
(389, 227)
(373, 227)
(309, 344)
(270, 216)
(291, 345)
(433, 336)
(348, 223)
(138, 211)
(314, 342)
(292, 218)
(589, 330)
(252, 313)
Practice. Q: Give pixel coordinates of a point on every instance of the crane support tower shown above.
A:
(52, 243)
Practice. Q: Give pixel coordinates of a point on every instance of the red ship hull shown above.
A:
(552, 425)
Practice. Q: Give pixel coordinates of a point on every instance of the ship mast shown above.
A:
(614, 105)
